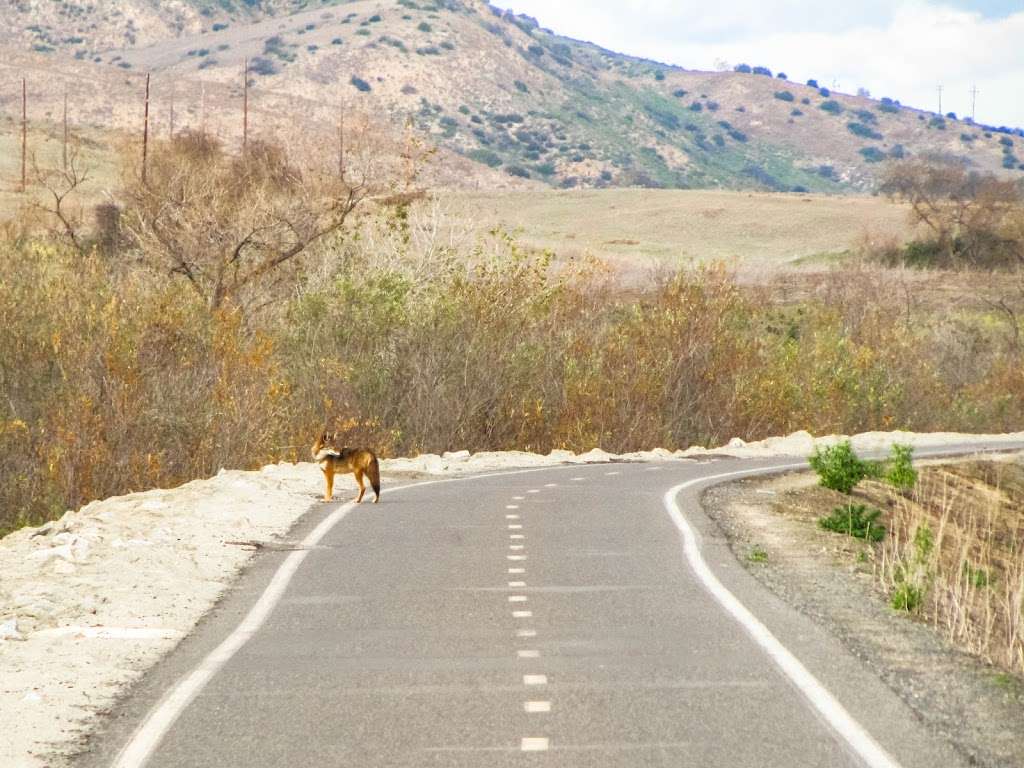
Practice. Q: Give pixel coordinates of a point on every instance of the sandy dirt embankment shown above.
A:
(90, 601)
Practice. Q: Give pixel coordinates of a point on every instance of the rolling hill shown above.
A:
(515, 101)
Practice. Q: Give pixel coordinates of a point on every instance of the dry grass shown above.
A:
(955, 554)
(638, 230)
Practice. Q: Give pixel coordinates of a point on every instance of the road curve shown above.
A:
(566, 616)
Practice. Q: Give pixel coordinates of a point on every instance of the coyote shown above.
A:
(339, 461)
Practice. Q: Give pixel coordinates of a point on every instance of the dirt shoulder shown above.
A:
(772, 528)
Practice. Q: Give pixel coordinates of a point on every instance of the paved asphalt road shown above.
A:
(544, 617)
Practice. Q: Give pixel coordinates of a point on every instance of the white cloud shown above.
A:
(898, 49)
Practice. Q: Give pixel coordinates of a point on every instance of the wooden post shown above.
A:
(245, 108)
(145, 132)
(341, 142)
(65, 157)
(24, 135)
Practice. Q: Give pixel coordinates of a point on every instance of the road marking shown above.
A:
(518, 498)
(819, 697)
(517, 570)
(613, 473)
(550, 485)
(517, 583)
(526, 633)
(517, 598)
(528, 654)
(517, 535)
(534, 707)
(522, 614)
(579, 478)
(511, 506)
(539, 744)
(515, 527)
(516, 547)
(158, 721)
(533, 491)
(511, 517)
(535, 679)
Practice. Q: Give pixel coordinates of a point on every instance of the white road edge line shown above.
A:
(819, 697)
(165, 712)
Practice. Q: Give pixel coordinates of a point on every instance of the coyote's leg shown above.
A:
(329, 477)
(362, 488)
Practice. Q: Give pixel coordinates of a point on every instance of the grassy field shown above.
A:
(640, 228)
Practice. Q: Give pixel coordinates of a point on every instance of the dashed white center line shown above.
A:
(517, 598)
(515, 557)
(550, 485)
(517, 570)
(612, 473)
(517, 536)
(533, 491)
(535, 679)
(516, 547)
(539, 744)
(511, 517)
(534, 707)
(518, 498)
(579, 478)
(511, 506)
(517, 583)
(522, 614)
(526, 633)
(528, 654)
(515, 527)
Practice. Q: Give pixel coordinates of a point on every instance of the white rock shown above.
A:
(9, 630)
(455, 455)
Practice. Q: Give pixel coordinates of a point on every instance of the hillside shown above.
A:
(506, 93)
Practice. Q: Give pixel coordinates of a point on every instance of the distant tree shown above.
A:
(784, 96)
(951, 115)
(813, 83)
(824, 92)
(762, 71)
(831, 106)
(744, 68)
(782, 76)
(227, 223)
(864, 93)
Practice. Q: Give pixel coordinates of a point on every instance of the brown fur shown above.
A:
(340, 461)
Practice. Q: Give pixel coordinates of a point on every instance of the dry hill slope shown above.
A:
(506, 93)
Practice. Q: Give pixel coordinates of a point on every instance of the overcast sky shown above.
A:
(903, 49)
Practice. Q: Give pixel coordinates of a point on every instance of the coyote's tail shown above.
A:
(374, 473)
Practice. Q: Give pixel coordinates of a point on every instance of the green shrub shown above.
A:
(872, 154)
(424, 27)
(899, 471)
(839, 468)
(784, 96)
(831, 106)
(855, 520)
(360, 84)
(859, 129)
(907, 597)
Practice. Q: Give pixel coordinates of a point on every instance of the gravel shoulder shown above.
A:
(771, 526)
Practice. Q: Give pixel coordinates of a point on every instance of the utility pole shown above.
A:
(974, 99)
(245, 108)
(24, 135)
(145, 132)
(65, 158)
(341, 141)
(940, 99)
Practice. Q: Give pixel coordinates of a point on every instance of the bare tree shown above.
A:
(61, 186)
(967, 213)
(227, 223)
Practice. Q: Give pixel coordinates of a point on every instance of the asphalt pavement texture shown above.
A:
(533, 618)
